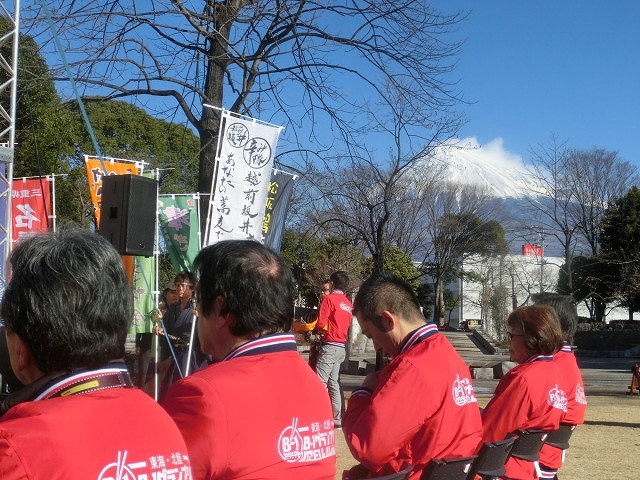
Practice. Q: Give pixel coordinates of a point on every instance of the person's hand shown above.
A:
(157, 329)
(138, 351)
(371, 381)
(156, 315)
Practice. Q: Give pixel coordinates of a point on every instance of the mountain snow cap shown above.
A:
(489, 165)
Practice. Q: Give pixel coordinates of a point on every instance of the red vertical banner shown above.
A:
(30, 206)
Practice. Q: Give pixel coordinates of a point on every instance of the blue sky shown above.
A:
(568, 67)
(565, 67)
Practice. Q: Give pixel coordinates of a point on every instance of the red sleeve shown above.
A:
(201, 418)
(508, 410)
(377, 426)
(323, 315)
(577, 401)
(11, 468)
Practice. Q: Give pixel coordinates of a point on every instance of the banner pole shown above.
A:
(190, 349)
(156, 297)
(214, 178)
(53, 201)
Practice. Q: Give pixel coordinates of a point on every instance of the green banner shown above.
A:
(143, 284)
(179, 223)
(144, 281)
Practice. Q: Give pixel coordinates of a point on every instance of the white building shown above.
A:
(508, 283)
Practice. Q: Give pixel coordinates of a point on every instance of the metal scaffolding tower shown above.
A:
(8, 95)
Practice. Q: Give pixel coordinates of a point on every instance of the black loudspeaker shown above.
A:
(128, 213)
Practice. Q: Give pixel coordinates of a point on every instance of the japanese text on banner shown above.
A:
(242, 180)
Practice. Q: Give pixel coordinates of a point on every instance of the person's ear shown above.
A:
(388, 320)
(22, 361)
(219, 319)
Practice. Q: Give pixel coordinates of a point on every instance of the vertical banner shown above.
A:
(276, 206)
(179, 224)
(30, 206)
(95, 172)
(245, 157)
(143, 282)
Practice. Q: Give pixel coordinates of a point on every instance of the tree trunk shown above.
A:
(209, 125)
(567, 262)
(599, 308)
(438, 302)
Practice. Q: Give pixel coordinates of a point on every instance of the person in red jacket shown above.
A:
(67, 310)
(531, 395)
(259, 411)
(552, 458)
(422, 404)
(334, 320)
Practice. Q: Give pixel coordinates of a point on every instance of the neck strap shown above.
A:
(86, 382)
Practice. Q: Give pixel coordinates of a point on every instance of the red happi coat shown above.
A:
(423, 407)
(529, 396)
(334, 316)
(550, 457)
(260, 413)
(94, 435)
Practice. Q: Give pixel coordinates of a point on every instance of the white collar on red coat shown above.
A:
(419, 335)
(276, 342)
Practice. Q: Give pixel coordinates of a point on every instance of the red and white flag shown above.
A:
(30, 206)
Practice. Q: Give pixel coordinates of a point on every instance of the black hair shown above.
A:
(187, 277)
(68, 300)
(256, 286)
(340, 280)
(386, 291)
(564, 307)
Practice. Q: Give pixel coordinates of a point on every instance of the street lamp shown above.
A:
(514, 300)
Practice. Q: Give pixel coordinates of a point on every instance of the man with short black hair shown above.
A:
(334, 320)
(178, 325)
(422, 404)
(67, 311)
(258, 411)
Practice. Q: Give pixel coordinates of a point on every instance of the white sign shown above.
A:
(241, 183)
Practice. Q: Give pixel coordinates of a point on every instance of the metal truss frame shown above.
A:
(8, 99)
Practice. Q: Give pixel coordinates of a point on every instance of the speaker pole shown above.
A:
(156, 374)
(156, 296)
(173, 352)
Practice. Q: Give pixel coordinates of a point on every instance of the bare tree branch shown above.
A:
(311, 65)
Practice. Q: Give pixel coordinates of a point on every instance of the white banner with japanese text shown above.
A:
(241, 180)
(30, 206)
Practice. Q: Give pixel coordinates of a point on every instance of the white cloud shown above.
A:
(491, 165)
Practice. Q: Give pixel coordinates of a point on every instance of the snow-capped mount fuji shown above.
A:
(507, 180)
(490, 165)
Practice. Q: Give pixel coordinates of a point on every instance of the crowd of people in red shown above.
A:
(251, 408)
